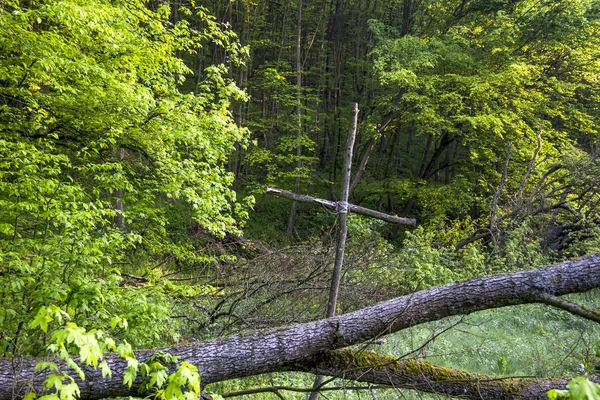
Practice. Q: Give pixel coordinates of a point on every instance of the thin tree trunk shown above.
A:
(292, 217)
(530, 167)
(407, 16)
(500, 187)
(425, 153)
(409, 140)
(450, 154)
(370, 147)
(444, 142)
(118, 194)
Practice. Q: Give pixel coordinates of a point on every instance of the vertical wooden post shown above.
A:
(342, 210)
(342, 207)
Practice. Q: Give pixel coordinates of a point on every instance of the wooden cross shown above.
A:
(342, 207)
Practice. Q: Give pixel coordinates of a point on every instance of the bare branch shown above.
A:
(365, 159)
(333, 205)
(499, 191)
(530, 168)
(571, 307)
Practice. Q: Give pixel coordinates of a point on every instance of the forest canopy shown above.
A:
(137, 139)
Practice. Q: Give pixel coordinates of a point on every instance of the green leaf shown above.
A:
(30, 396)
(582, 388)
(555, 394)
(69, 391)
(106, 372)
(129, 376)
(73, 365)
(42, 365)
(54, 380)
(51, 396)
(41, 319)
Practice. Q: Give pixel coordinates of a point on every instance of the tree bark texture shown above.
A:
(308, 347)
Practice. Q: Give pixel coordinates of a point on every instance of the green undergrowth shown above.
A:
(529, 340)
(522, 341)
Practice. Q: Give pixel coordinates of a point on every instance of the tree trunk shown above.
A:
(369, 367)
(369, 150)
(308, 347)
(119, 218)
(292, 217)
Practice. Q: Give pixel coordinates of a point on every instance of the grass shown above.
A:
(529, 340)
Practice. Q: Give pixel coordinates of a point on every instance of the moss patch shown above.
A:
(358, 360)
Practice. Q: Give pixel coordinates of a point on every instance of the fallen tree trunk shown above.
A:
(305, 347)
(363, 366)
(391, 373)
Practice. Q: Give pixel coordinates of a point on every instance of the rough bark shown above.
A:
(388, 372)
(295, 347)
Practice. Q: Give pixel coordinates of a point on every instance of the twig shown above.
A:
(365, 159)
(540, 184)
(530, 168)
(499, 191)
(432, 337)
(137, 278)
(566, 305)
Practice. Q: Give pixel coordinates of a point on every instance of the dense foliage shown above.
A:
(127, 127)
(443, 88)
(105, 162)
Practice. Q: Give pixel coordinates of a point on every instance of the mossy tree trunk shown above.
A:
(310, 347)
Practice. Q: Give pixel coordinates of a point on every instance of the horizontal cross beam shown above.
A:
(351, 207)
